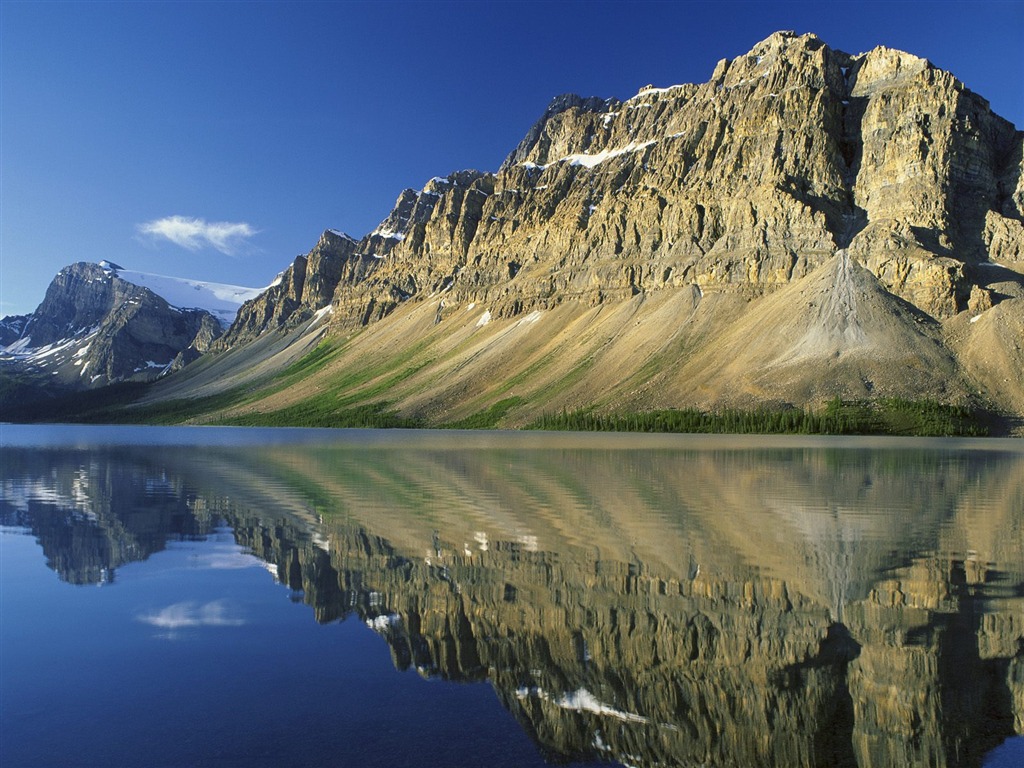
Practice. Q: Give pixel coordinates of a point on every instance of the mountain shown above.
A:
(807, 224)
(100, 324)
(302, 290)
(744, 183)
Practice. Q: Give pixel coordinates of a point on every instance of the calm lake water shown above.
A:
(234, 597)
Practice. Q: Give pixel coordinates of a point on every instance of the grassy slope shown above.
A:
(633, 365)
(359, 399)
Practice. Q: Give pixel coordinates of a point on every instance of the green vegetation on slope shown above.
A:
(313, 360)
(354, 397)
(316, 413)
(893, 416)
(487, 418)
(357, 398)
(173, 411)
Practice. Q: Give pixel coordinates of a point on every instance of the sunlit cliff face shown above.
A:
(795, 607)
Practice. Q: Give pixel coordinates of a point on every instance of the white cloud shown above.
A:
(194, 234)
(190, 614)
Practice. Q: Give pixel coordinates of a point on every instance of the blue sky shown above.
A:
(217, 140)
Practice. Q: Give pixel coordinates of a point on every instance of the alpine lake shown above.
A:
(228, 597)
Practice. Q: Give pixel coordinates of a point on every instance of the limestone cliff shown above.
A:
(303, 289)
(745, 182)
(627, 253)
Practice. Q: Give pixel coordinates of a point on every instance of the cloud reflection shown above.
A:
(225, 560)
(192, 614)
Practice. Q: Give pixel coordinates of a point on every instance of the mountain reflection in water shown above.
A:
(797, 606)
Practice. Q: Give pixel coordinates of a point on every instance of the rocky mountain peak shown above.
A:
(885, 67)
(302, 292)
(785, 60)
(94, 328)
(536, 145)
(76, 299)
(12, 327)
(788, 45)
(783, 38)
(334, 238)
(397, 222)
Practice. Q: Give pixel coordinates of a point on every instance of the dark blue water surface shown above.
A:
(195, 657)
(208, 597)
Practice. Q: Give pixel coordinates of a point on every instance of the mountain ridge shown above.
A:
(622, 244)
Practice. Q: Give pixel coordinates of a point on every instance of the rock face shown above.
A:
(677, 220)
(94, 328)
(306, 287)
(420, 249)
(11, 328)
(746, 182)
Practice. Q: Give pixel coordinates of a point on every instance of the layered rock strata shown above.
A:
(303, 289)
(807, 224)
(786, 155)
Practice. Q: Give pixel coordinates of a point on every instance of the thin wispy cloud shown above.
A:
(193, 234)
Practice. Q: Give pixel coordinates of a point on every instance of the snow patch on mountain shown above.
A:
(588, 160)
(219, 299)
